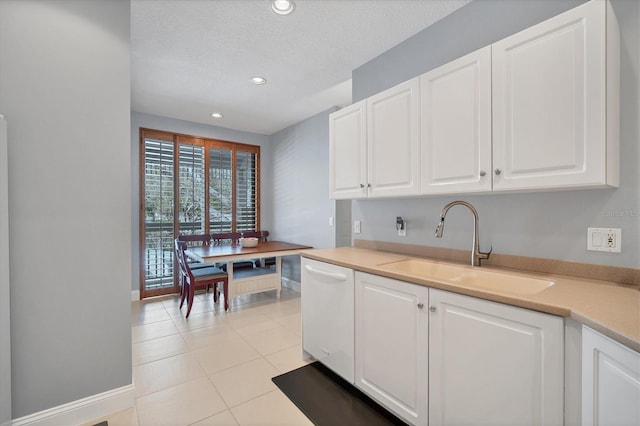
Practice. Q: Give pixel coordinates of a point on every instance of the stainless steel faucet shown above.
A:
(476, 254)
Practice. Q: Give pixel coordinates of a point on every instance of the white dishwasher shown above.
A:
(328, 315)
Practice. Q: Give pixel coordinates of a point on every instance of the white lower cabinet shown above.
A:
(391, 344)
(436, 358)
(327, 315)
(493, 364)
(610, 382)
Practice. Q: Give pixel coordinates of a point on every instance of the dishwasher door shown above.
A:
(328, 315)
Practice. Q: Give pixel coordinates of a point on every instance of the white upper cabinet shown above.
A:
(556, 101)
(348, 152)
(374, 145)
(393, 134)
(536, 111)
(456, 125)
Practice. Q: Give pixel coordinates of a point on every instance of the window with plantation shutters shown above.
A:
(158, 214)
(220, 190)
(191, 186)
(191, 181)
(246, 191)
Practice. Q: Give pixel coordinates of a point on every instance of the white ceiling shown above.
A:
(193, 57)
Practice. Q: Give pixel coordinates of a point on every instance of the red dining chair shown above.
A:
(193, 240)
(261, 236)
(223, 238)
(199, 278)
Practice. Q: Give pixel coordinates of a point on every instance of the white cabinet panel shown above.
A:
(348, 152)
(493, 364)
(374, 145)
(393, 134)
(456, 125)
(392, 344)
(555, 95)
(327, 315)
(610, 382)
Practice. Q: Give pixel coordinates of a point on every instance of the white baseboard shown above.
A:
(289, 283)
(135, 295)
(82, 410)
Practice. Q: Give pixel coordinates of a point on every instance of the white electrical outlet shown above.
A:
(604, 239)
(403, 232)
(356, 226)
(330, 220)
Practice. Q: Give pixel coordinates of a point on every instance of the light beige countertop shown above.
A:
(610, 308)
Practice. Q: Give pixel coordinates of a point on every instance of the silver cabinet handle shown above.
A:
(498, 171)
(432, 308)
(482, 173)
(420, 305)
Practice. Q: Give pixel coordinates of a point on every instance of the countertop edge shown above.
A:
(606, 330)
(558, 308)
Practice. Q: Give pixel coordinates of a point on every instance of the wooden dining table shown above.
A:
(252, 280)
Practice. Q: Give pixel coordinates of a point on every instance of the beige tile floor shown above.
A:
(214, 368)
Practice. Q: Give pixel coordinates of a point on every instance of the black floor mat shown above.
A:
(328, 400)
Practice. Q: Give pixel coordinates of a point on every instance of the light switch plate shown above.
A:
(356, 226)
(604, 239)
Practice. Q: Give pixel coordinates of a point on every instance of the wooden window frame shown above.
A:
(178, 139)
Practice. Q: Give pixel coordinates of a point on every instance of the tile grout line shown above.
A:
(181, 330)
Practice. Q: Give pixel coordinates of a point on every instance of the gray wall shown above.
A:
(546, 225)
(300, 204)
(139, 120)
(475, 25)
(64, 89)
(343, 223)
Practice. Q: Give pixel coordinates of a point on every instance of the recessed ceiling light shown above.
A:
(282, 7)
(258, 80)
(216, 115)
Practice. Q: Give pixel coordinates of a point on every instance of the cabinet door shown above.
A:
(550, 94)
(456, 125)
(393, 136)
(327, 315)
(493, 364)
(610, 382)
(392, 344)
(348, 152)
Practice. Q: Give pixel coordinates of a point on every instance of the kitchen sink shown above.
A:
(478, 278)
(423, 269)
(502, 282)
